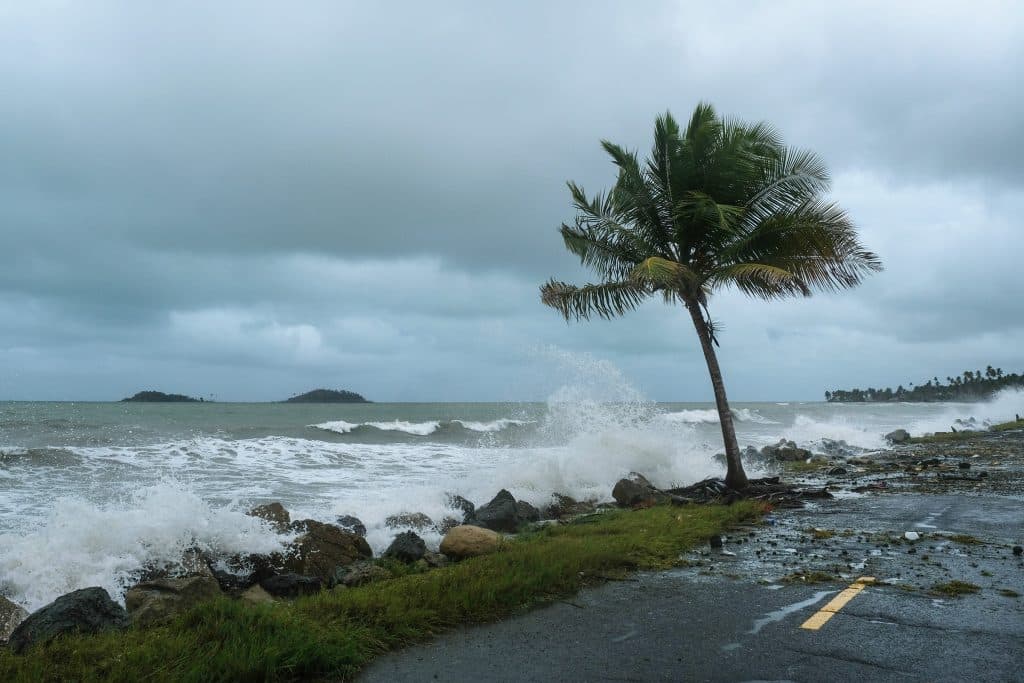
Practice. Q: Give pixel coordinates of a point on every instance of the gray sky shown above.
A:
(250, 200)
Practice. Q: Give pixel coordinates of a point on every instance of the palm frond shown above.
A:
(760, 280)
(606, 300)
(662, 273)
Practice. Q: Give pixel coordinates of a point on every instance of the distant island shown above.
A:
(160, 397)
(969, 386)
(327, 396)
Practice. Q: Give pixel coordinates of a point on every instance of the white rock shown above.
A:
(911, 535)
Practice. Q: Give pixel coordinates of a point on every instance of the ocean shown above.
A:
(92, 493)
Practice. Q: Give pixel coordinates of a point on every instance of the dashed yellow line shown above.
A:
(837, 603)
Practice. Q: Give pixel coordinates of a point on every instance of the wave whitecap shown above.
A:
(420, 428)
(710, 416)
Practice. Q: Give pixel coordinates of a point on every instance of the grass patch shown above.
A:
(1009, 593)
(965, 539)
(955, 589)
(337, 633)
(809, 577)
(1006, 426)
(944, 437)
(820, 534)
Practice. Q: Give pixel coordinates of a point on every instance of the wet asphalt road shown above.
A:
(731, 617)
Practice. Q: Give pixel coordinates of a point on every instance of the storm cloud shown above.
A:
(247, 201)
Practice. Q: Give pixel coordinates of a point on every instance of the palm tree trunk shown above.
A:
(735, 477)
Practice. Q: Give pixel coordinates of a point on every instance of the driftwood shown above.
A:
(768, 489)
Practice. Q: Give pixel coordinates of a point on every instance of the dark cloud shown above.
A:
(251, 195)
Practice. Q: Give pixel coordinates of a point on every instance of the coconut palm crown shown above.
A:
(720, 204)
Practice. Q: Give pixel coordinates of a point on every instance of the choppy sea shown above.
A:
(90, 493)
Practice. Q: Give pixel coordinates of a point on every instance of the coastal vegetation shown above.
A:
(160, 397)
(336, 633)
(718, 204)
(967, 386)
(327, 396)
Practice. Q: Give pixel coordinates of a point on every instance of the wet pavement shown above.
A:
(948, 606)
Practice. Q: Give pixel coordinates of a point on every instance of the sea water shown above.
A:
(92, 493)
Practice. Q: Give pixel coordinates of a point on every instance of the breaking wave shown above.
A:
(421, 428)
(710, 416)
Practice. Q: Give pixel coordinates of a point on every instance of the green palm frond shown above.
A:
(718, 203)
(661, 273)
(760, 280)
(606, 300)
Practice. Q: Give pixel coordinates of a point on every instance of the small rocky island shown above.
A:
(160, 397)
(327, 396)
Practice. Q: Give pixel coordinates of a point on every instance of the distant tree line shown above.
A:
(969, 386)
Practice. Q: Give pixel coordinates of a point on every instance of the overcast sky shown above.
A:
(250, 200)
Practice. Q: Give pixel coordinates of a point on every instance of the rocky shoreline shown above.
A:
(334, 555)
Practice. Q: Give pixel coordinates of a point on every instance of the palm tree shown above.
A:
(721, 203)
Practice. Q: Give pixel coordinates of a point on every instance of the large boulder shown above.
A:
(469, 541)
(407, 547)
(273, 513)
(898, 436)
(322, 549)
(155, 601)
(503, 513)
(11, 614)
(785, 451)
(89, 610)
(635, 491)
(409, 520)
(290, 585)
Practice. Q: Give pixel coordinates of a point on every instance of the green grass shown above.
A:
(955, 589)
(1006, 426)
(944, 437)
(336, 633)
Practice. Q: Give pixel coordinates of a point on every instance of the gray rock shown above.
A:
(89, 610)
(435, 560)
(456, 502)
(322, 549)
(635, 491)
(291, 585)
(526, 513)
(351, 524)
(500, 514)
(407, 547)
(11, 614)
(897, 437)
(563, 507)
(273, 513)
(155, 601)
(362, 573)
(785, 451)
(446, 524)
(409, 520)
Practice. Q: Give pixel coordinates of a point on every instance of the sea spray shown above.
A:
(81, 544)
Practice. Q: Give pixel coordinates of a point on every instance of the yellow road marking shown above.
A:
(837, 603)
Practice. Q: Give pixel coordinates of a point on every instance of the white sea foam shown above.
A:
(1002, 407)
(710, 416)
(493, 425)
(80, 544)
(62, 528)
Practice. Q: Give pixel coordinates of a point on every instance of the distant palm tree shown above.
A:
(721, 203)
